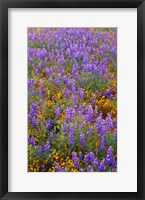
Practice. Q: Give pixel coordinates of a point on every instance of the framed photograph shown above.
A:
(72, 99)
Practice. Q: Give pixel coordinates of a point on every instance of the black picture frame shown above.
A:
(4, 6)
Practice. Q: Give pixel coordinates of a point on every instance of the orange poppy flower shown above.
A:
(115, 170)
(97, 144)
(63, 117)
(58, 95)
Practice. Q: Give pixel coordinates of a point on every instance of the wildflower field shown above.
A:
(72, 99)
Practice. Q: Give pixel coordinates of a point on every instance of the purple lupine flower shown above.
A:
(90, 132)
(58, 167)
(29, 117)
(75, 107)
(81, 93)
(95, 163)
(67, 93)
(103, 141)
(62, 71)
(40, 149)
(73, 86)
(30, 84)
(64, 78)
(80, 113)
(34, 122)
(103, 49)
(74, 70)
(42, 53)
(83, 82)
(109, 93)
(96, 70)
(88, 67)
(31, 140)
(76, 160)
(89, 116)
(70, 113)
(82, 141)
(33, 114)
(32, 92)
(68, 54)
(34, 109)
(57, 112)
(71, 136)
(40, 66)
(100, 125)
(69, 83)
(40, 102)
(109, 122)
(75, 99)
(47, 147)
(35, 72)
(102, 166)
(81, 156)
(75, 126)
(109, 158)
(82, 170)
(47, 71)
(41, 91)
(43, 167)
(90, 169)
(64, 128)
(82, 125)
(49, 124)
(93, 101)
(52, 136)
(89, 158)
(35, 83)
(113, 51)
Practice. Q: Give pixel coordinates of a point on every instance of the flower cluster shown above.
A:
(76, 160)
(33, 114)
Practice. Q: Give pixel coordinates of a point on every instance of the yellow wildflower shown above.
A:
(58, 95)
